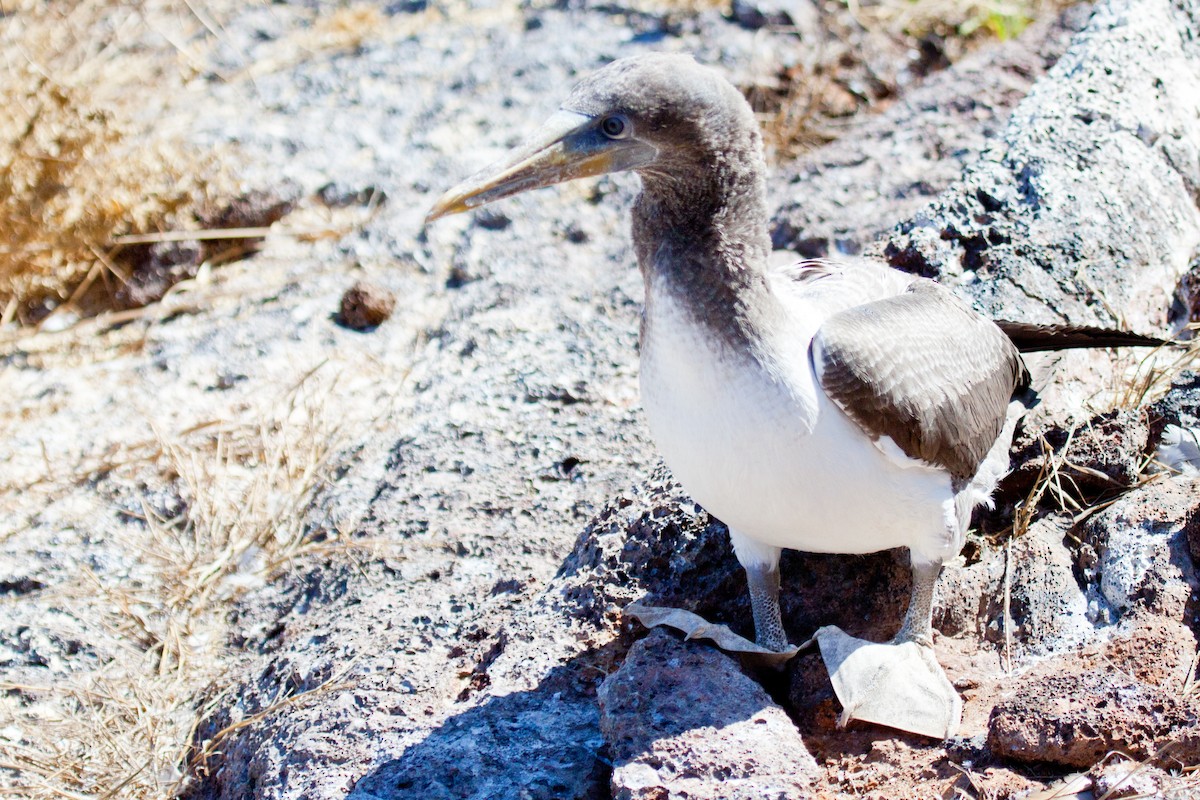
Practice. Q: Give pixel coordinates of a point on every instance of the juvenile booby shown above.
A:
(832, 407)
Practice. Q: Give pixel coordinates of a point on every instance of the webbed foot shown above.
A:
(898, 684)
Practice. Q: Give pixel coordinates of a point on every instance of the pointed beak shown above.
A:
(566, 147)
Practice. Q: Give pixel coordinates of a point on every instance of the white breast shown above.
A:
(762, 448)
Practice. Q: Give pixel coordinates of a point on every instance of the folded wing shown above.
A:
(924, 370)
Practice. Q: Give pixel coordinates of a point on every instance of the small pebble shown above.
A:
(365, 306)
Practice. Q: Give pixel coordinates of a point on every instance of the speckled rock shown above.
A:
(1093, 141)
(682, 720)
(840, 198)
(1140, 547)
(1180, 406)
(1076, 719)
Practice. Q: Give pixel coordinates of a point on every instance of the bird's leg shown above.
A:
(918, 621)
(764, 602)
(761, 563)
(897, 683)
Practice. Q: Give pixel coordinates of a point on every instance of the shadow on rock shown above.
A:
(541, 743)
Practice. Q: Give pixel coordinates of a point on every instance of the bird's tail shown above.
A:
(1031, 338)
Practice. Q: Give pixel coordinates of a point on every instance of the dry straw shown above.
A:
(81, 161)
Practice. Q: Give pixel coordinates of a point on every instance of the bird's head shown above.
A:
(655, 113)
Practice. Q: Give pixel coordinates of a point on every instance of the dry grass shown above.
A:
(1142, 377)
(125, 729)
(81, 161)
(84, 162)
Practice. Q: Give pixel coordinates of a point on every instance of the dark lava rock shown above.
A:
(156, 267)
(365, 306)
(1180, 406)
(336, 194)
(257, 208)
(1075, 720)
(1097, 456)
(656, 544)
(682, 720)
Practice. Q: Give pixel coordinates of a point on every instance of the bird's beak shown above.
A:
(566, 147)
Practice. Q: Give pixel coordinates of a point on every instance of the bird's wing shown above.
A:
(923, 369)
(838, 284)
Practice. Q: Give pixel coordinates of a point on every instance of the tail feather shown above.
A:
(1031, 338)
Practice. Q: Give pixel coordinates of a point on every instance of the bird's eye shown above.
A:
(614, 127)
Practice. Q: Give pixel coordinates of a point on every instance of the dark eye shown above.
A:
(614, 127)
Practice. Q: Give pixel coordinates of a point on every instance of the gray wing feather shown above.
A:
(923, 369)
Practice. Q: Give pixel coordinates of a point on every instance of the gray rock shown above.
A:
(538, 746)
(1095, 140)
(1142, 546)
(841, 198)
(1048, 606)
(1181, 404)
(681, 720)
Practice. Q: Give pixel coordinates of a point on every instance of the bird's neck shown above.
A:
(701, 232)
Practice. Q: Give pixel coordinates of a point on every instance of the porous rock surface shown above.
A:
(1077, 719)
(1132, 694)
(673, 737)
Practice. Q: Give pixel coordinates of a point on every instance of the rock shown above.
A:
(840, 198)
(970, 593)
(1048, 607)
(1179, 406)
(337, 194)
(156, 268)
(754, 14)
(1141, 545)
(365, 306)
(681, 720)
(1154, 650)
(1102, 454)
(259, 208)
(1075, 720)
(537, 746)
(1122, 778)
(656, 544)
(978, 235)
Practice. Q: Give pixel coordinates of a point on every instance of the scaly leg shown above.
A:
(918, 621)
(761, 563)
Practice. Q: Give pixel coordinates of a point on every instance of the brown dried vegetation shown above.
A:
(81, 161)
